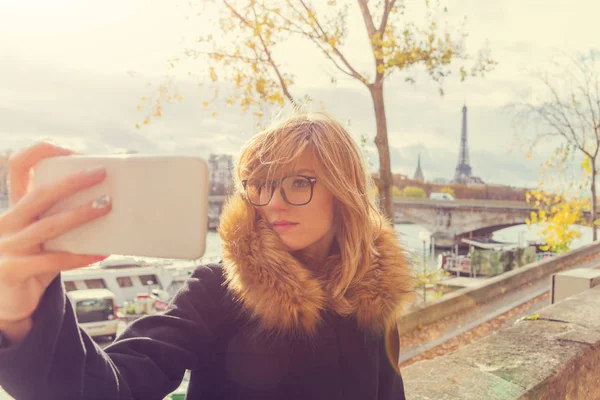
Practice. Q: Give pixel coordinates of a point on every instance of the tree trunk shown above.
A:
(593, 216)
(381, 141)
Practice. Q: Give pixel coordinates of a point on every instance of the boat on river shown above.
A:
(127, 277)
(488, 257)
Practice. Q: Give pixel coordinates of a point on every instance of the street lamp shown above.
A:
(424, 236)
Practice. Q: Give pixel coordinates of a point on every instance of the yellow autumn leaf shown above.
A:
(586, 165)
(260, 85)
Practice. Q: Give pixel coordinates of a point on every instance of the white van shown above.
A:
(96, 311)
(441, 196)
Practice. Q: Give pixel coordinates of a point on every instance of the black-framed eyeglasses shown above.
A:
(296, 190)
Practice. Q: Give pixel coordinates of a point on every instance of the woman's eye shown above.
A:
(301, 183)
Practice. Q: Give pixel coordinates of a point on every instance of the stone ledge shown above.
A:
(554, 357)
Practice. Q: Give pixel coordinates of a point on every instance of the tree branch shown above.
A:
(194, 53)
(364, 8)
(375, 47)
(587, 93)
(237, 14)
(270, 60)
(354, 73)
(317, 42)
(560, 110)
(584, 89)
(389, 4)
(307, 22)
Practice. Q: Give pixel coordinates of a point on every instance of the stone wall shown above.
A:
(553, 357)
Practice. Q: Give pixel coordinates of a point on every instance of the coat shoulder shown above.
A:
(207, 280)
(208, 284)
(210, 273)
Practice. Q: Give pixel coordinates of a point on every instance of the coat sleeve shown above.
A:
(57, 360)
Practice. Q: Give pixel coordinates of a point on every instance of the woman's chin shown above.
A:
(293, 246)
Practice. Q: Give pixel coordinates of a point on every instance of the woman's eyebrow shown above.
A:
(304, 170)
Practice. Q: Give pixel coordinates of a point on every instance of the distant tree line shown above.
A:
(409, 188)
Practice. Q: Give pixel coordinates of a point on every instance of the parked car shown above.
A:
(96, 311)
(441, 196)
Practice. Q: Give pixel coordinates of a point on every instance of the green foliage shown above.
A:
(414, 191)
(428, 279)
(484, 192)
(533, 317)
(449, 190)
(130, 309)
(560, 211)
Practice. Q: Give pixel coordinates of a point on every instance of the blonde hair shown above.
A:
(339, 167)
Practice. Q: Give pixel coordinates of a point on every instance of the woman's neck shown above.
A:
(315, 255)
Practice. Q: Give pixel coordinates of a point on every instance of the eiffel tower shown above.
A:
(462, 174)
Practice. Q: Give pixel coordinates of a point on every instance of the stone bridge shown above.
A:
(448, 221)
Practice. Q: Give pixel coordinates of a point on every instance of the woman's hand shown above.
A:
(26, 269)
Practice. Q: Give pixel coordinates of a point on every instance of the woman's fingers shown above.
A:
(21, 164)
(45, 265)
(37, 201)
(53, 226)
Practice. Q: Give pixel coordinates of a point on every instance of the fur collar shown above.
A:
(286, 297)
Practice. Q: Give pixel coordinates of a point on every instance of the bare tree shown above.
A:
(243, 52)
(567, 106)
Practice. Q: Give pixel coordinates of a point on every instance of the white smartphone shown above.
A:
(159, 205)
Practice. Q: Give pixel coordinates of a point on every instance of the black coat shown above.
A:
(206, 331)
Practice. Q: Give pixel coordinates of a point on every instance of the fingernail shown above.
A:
(101, 202)
(94, 171)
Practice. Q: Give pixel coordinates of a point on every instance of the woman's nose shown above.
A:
(277, 200)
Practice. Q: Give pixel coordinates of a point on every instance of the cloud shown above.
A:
(438, 162)
(69, 82)
(97, 114)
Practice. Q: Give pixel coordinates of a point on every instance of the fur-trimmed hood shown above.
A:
(286, 297)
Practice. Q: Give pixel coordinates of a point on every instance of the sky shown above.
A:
(73, 72)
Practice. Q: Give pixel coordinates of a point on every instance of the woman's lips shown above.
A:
(283, 226)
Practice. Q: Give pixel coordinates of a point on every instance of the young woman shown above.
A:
(303, 306)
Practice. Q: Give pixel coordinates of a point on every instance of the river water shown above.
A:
(409, 236)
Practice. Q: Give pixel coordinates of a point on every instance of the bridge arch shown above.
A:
(403, 218)
(489, 230)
